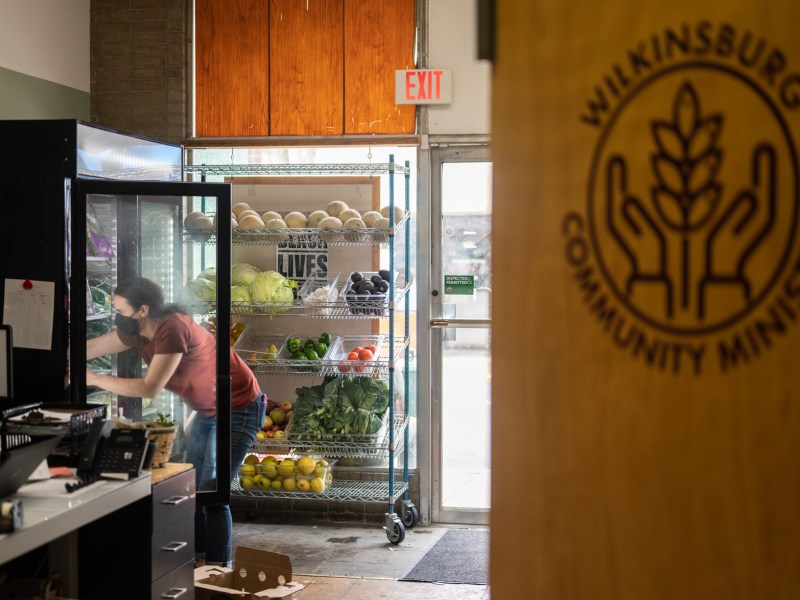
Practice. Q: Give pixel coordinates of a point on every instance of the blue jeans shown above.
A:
(213, 524)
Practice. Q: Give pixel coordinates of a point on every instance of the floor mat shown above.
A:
(460, 556)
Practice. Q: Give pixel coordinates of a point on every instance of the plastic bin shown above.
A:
(347, 343)
(253, 344)
(320, 302)
(361, 302)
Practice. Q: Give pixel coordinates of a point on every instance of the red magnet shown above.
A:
(27, 284)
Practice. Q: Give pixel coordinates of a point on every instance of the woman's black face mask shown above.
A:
(127, 325)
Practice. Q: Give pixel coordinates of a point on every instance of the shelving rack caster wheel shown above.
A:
(410, 514)
(395, 530)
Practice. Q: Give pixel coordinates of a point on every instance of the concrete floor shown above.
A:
(354, 562)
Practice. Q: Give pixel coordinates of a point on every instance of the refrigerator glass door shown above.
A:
(124, 230)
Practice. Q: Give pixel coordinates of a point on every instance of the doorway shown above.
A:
(460, 309)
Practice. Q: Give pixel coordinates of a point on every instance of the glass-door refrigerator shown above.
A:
(85, 209)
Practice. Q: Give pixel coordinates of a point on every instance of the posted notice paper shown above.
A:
(28, 308)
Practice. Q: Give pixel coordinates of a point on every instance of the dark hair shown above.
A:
(140, 290)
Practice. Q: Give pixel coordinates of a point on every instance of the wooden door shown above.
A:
(646, 420)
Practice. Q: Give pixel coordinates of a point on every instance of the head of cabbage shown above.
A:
(240, 294)
(270, 287)
(243, 273)
(204, 286)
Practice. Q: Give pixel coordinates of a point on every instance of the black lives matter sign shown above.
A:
(303, 259)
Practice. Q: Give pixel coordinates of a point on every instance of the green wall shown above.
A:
(26, 97)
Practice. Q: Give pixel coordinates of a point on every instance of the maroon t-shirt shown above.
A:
(195, 378)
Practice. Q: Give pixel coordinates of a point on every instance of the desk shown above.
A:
(45, 520)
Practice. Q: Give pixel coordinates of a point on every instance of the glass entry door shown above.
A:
(460, 308)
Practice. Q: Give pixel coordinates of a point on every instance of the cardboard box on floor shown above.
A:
(255, 574)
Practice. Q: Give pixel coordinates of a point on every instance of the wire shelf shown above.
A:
(369, 368)
(333, 237)
(353, 446)
(371, 169)
(354, 491)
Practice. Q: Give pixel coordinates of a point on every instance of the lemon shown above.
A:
(306, 465)
(269, 460)
(251, 459)
(317, 485)
(249, 470)
(321, 471)
(303, 485)
(269, 470)
(289, 484)
(265, 483)
(246, 482)
(286, 468)
(276, 484)
(261, 435)
(257, 479)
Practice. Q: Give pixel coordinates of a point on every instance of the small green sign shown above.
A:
(459, 284)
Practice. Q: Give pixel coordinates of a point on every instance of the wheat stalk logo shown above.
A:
(687, 213)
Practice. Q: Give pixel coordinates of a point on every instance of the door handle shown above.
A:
(439, 323)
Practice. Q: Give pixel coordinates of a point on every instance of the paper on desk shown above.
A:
(28, 308)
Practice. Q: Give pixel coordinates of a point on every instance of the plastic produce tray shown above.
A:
(252, 344)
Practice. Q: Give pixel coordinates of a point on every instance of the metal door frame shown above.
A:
(440, 154)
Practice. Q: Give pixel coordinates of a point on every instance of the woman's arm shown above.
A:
(161, 368)
(108, 343)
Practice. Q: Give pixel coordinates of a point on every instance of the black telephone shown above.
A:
(112, 453)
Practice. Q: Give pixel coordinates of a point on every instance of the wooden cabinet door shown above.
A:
(378, 39)
(232, 64)
(305, 46)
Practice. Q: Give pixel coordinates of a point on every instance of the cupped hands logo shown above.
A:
(686, 229)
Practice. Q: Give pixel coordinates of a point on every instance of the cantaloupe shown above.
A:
(239, 207)
(242, 214)
(348, 213)
(191, 218)
(330, 223)
(296, 220)
(370, 217)
(315, 217)
(277, 224)
(335, 207)
(269, 215)
(251, 222)
(354, 223)
(399, 213)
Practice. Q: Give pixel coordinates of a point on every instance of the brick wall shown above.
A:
(140, 66)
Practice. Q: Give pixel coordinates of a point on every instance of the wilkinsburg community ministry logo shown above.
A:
(687, 251)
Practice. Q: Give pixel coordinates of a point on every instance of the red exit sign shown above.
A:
(423, 86)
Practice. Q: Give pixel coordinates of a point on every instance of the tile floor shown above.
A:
(335, 562)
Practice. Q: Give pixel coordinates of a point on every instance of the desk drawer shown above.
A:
(172, 546)
(173, 500)
(175, 585)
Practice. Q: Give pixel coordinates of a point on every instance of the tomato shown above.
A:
(357, 349)
(365, 354)
(370, 347)
(343, 367)
(360, 368)
(353, 355)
